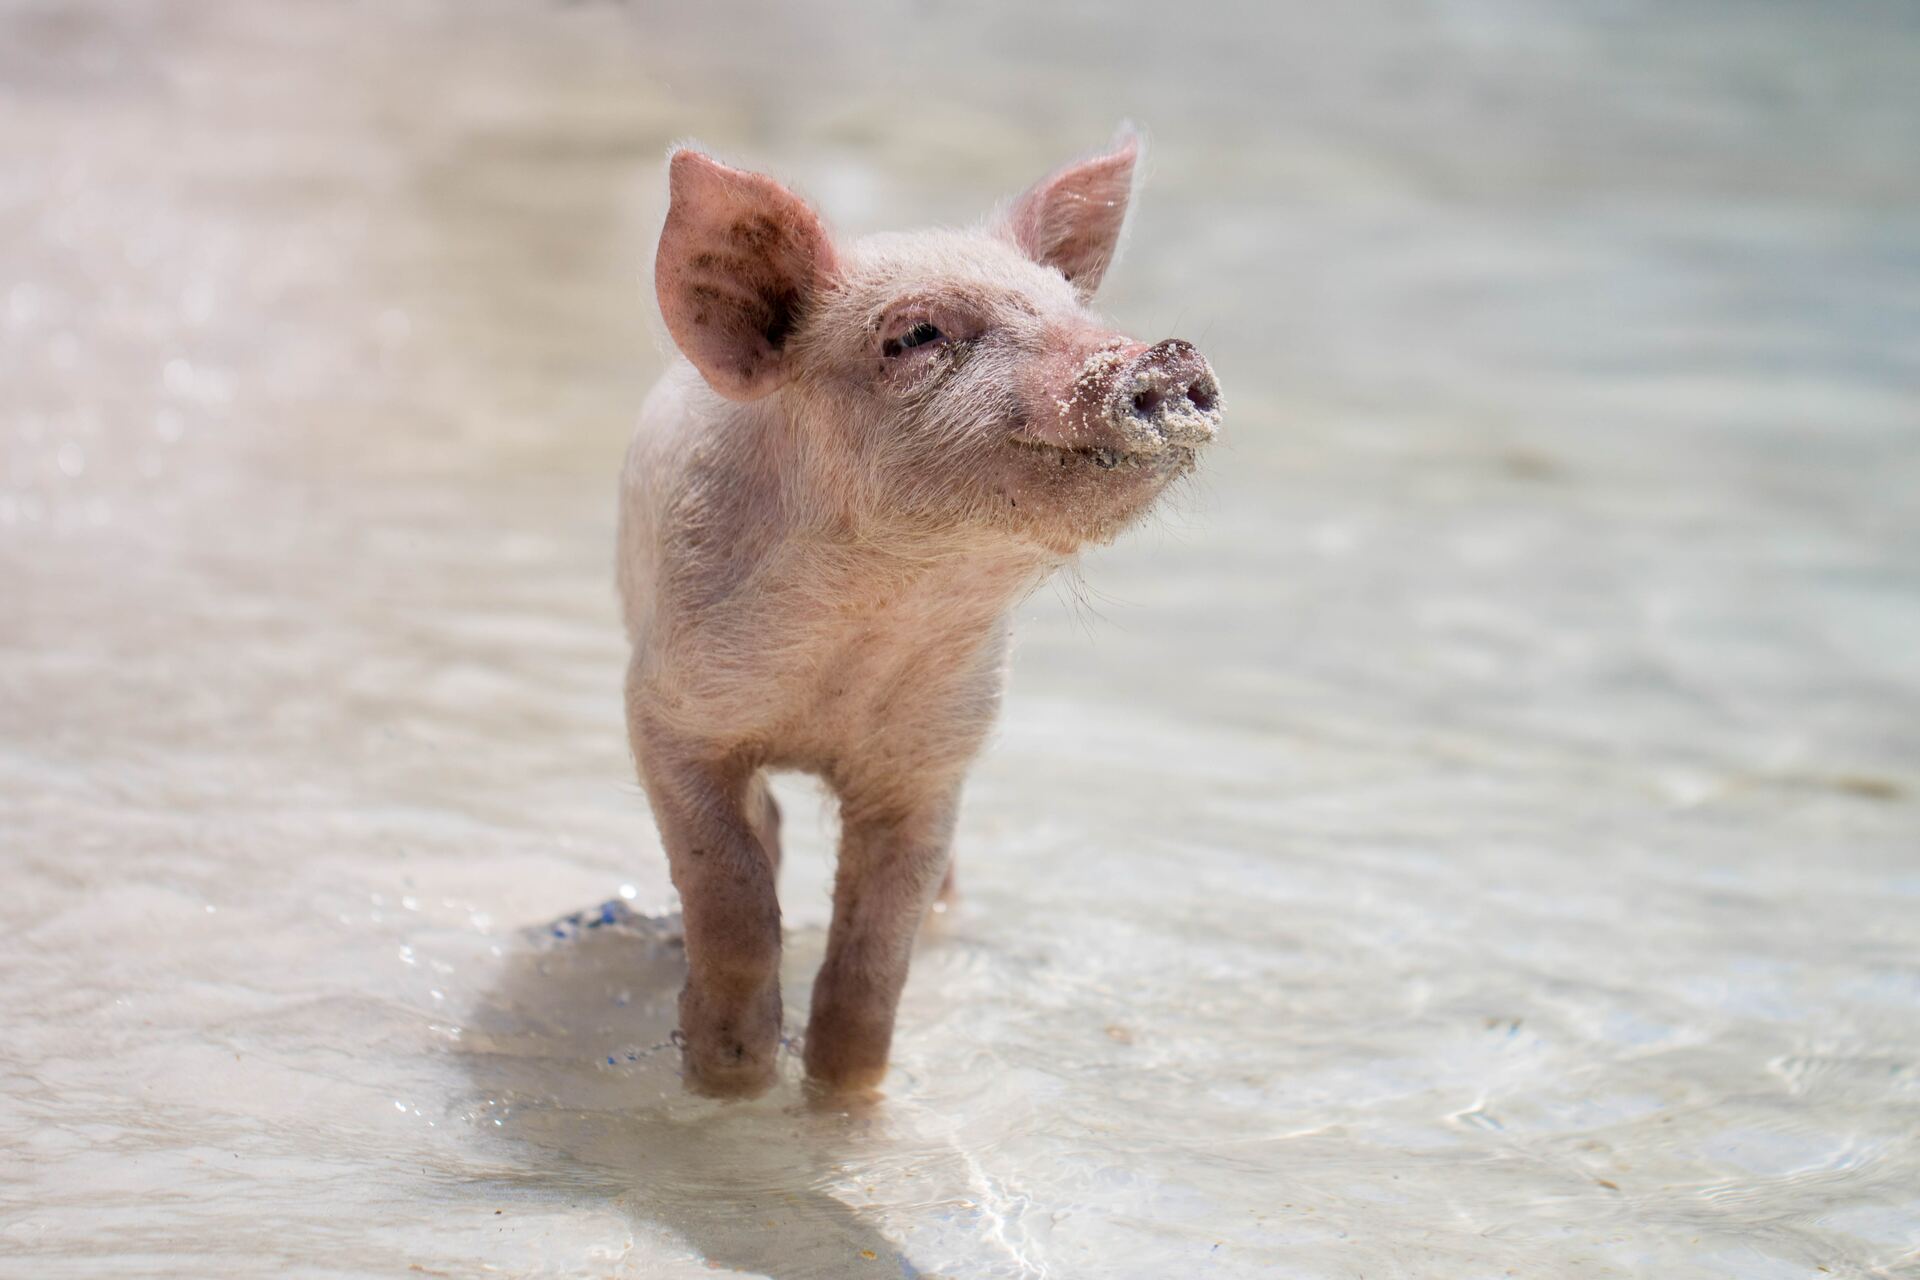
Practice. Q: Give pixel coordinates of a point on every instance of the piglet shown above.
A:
(870, 450)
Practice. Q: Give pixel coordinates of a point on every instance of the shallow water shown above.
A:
(1472, 833)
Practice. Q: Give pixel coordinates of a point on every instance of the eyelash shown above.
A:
(922, 334)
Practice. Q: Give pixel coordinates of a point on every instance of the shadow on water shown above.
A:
(572, 1064)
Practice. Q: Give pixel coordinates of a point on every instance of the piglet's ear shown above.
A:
(741, 260)
(1072, 219)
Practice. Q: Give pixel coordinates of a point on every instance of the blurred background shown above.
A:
(1471, 832)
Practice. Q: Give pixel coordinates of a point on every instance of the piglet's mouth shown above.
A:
(1105, 457)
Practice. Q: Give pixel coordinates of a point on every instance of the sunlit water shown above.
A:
(1472, 833)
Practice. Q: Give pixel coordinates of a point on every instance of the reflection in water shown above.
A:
(744, 1185)
(1472, 834)
(571, 1058)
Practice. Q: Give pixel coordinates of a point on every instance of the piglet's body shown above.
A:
(870, 452)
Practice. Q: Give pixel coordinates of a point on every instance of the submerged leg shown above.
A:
(892, 858)
(730, 1007)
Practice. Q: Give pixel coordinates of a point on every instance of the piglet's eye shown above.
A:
(918, 336)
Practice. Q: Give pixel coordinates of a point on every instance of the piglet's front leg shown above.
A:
(893, 856)
(730, 1007)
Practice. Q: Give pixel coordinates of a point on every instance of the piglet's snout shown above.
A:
(1166, 395)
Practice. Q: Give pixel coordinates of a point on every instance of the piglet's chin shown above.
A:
(1065, 499)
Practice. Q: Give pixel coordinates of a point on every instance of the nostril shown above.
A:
(1202, 396)
(1145, 402)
